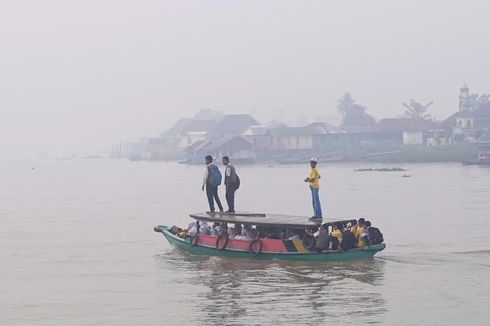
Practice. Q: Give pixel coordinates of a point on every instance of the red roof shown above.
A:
(404, 124)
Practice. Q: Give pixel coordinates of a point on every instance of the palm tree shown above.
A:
(345, 104)
(352, 113)
(416, 110)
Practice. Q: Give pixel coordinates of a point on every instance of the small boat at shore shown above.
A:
(262, 248)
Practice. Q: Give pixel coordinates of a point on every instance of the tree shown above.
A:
(477, 101)
(417, 110)
(352, 113)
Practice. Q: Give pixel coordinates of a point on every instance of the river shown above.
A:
(77, 247)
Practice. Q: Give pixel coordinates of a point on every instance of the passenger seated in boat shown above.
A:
(322, 240)
(359, 229)
(275, 233)
(353, 226)
(263, 230)
(348, 240)
(192, 229)
(364, 238)
(204, 228)
(292, 235)
(336, 236)
(232, 233)
(248, 233)
(216, 230)
(372, 235)
(182, 234)
(238, 229)
(174, 230)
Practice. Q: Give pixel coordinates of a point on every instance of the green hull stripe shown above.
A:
(367, 252)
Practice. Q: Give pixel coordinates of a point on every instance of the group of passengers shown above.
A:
(235, 232)
(346, 236)
(342, 236)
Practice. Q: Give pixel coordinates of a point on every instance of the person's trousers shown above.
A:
(230, 198)
(317, 208)
(212, 193)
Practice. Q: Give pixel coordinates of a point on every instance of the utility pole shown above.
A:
(282, 118)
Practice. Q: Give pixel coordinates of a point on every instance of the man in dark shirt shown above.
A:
(211, 191)
(231, 184)
(323, 239)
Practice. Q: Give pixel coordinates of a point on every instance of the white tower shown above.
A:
(465, 120)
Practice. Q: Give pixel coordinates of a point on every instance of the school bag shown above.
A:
(214, 176)
(375, 236)
(237, 183)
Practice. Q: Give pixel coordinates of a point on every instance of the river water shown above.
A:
(77, 247)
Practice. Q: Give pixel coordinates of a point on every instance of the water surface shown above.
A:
(77, 247)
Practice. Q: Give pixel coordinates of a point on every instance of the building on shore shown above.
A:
(237, 148)
(404, 131)
(473, 117)
(483, 143)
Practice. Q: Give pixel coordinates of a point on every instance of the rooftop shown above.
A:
(229, 143)
(404, 124)
(186, 125)
(256, 130)
(233, 124)
(296, 131)
(329, 129)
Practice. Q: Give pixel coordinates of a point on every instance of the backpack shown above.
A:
(348, 240)
(375, 236)
(237, 183)
(214, 177)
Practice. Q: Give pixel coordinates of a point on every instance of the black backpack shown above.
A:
(348, 240)
(237, 183)
(375, 236)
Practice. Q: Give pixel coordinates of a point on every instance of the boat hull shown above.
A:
(208, 250)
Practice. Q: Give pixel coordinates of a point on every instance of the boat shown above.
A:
(262, 248)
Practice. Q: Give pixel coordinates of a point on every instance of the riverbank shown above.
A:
(417, 153)
(387, 154)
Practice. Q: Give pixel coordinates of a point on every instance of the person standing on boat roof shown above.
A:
(232, 182)
(211, 180)
(314, 183)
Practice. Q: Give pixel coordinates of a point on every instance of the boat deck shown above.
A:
(260, 219)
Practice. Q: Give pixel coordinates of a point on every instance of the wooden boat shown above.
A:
(261, 248)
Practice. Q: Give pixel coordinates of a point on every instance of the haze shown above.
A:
(78, 76)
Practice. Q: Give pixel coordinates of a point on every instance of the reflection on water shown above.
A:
(243, 291)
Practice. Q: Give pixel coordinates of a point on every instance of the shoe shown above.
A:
(315, 219)
(230, 212)
(209, 212)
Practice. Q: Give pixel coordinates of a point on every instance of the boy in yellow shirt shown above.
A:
(314, 182)
(360, 228)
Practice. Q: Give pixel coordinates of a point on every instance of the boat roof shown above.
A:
(262, 219)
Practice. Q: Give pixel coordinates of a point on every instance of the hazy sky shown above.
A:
(77, 76)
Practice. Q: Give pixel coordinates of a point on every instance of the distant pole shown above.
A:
(282, 120)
